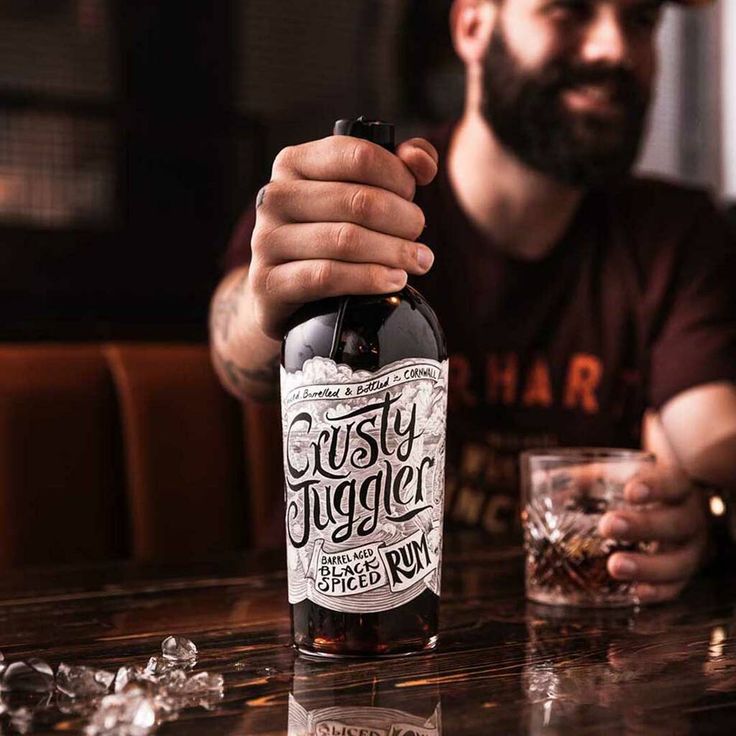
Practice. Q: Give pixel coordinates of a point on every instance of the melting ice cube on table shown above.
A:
(32, 676)
(203, 683)
(158, 667)
(178, 649)
(83, 682)
(131, 714)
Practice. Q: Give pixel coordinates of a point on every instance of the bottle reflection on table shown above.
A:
(349, 700)
(364, 720)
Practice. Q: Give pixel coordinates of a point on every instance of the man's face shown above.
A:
(567, 84)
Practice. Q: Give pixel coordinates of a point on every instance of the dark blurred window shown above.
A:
(57, 144)
(56, 169)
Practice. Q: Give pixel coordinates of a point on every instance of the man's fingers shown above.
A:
(424, 145)
(421, 157)
(661, 523)
(663, 483)
(647, 593)
(666, 482)
(340, 158)
(298, 282)
(343, 241)
(315, 201)
(672, 566)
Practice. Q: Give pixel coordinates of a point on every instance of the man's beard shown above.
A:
(528, 116)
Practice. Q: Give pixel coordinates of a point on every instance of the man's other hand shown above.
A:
(670, 513)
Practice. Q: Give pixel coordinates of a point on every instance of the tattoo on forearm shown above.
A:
(226, 308)
(237, 376)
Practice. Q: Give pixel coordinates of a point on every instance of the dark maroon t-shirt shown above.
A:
(636, 303)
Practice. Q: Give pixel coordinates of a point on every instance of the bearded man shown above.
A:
(582, 305)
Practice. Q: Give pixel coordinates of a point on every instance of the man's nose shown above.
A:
(604, 39)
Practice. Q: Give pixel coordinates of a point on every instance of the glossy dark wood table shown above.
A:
(503, 666)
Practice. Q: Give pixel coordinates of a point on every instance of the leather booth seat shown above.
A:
(130, 450)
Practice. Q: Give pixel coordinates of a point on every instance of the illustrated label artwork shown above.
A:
(364, 461)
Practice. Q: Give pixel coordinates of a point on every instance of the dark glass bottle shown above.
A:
(364, 388)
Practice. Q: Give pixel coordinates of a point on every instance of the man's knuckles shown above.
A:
(284, 163)
(362, 160)
(355, 160)
(368, 162)
(263, 242)
(379, 210)
(274, 198)
(362, 205)
(349, 240)
(320, 278)
(261, 280)
(353, 243)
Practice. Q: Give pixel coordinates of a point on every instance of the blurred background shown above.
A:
(133, 133)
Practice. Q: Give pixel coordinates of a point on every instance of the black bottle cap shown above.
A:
(370, 130)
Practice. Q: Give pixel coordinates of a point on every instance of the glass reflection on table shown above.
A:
(615, 667)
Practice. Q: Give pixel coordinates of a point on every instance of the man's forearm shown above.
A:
(246, 360)
(701, 426)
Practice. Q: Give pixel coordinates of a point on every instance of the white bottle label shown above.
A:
(364, 463)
